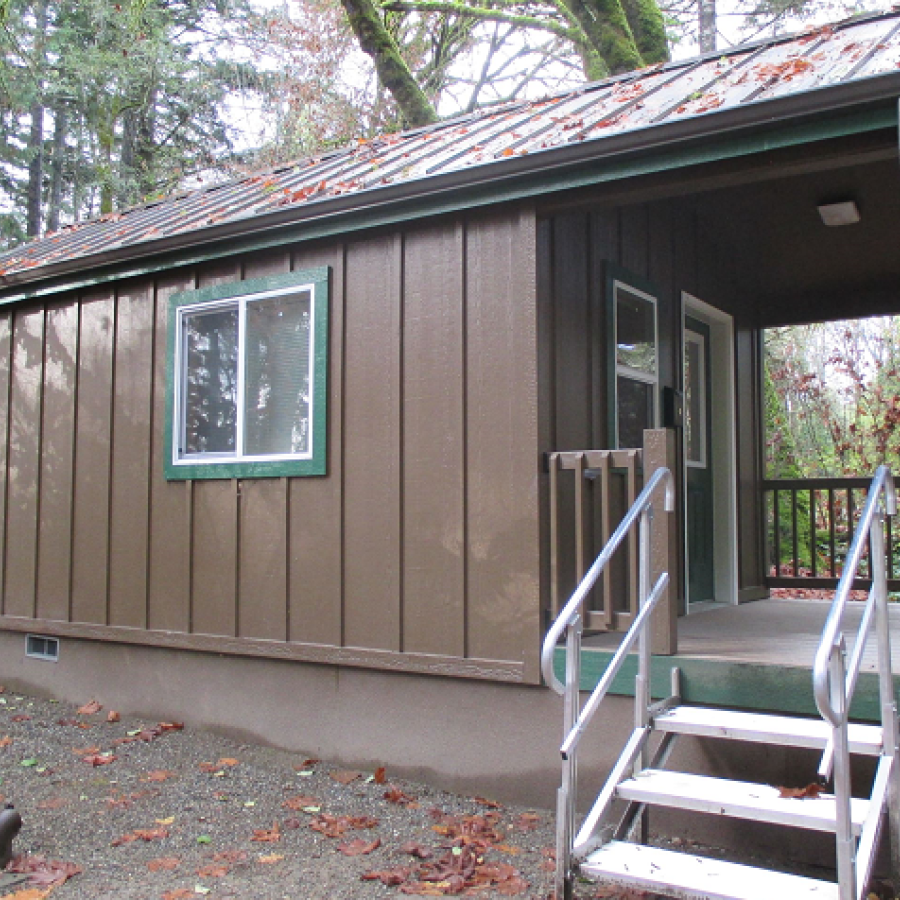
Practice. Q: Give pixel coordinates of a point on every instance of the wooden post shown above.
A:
(659, 451)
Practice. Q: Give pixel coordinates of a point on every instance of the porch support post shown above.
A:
(659, 452)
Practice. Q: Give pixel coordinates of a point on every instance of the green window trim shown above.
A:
(175, 465)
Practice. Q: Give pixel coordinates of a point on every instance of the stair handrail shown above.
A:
(572, 609)
(882, 486)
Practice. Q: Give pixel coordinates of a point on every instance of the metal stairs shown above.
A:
(610, 846)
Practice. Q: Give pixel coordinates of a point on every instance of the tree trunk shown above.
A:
(606, 26)
(649, 29)
(36, 135)
(376, 41)
(707, 25)
(57, 167)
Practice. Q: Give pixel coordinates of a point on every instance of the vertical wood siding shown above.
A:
(661, 243)
(419, 549)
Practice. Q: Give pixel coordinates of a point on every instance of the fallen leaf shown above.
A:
(22, 717)
(270, 835)
(345, 776)
(53, 803)
(208, 767)
(5, 741)
(227, 762)
(389, 877)
(230, 856)
(112, 716)
(527, 821)
(379, 776)
(141, 834)
(213, 871)
(394, 795)
(490, 804)
(85, 751)
(270, 858)
(29, 763)
(89, 709)
(177, 894)
(26, 894)
(306, 764)
(359, 847)
(158, 775)
(301, 801)
(417, 850)
(43, 872)
(167, 821)
(811, 791)
(100, 759)
(164, 864)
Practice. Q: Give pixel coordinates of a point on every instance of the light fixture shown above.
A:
(844, 213)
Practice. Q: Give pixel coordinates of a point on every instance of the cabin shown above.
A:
(314, 456)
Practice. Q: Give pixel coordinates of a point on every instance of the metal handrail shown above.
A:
(572, 609)
(882, 483)
(569, 621)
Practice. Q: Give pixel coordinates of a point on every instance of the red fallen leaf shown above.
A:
(208, 767)
(158, 775)
(344, 776)
(267, 835)
(96, 759)
(394, 795)
(179, 894)
(359, 847)
(507, 152)
(230, 856)
(811, 791)
(141, 834)
(299, 802)
(512, 887)
(164, 864)
(389, 877)
(90, 708)
(5, 741)
(43, 872)
(490, 804)
(527, 821)
(22, 717)
(112, 716)
(85, 751)
(307, 764)
(417, 850)
(549, 863)
(292, 823)
(73, 722)
(379, 776)
(53, 803)
(170, 726)
(212, 871)
(227, 761)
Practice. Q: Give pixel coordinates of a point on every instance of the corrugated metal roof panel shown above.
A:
(591, 113)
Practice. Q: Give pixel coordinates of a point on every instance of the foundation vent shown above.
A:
(39, 647)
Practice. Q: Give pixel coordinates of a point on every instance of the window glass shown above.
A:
(277, 376)
(635, 331)
(636, 410)
(210, 381)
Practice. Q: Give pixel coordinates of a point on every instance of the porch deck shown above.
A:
(757, 655)
(769, 632)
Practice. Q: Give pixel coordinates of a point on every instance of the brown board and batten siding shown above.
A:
(662, 244)
(418, 551)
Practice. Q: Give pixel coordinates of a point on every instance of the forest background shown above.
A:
(105, 105)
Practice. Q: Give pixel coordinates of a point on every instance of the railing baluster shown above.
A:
(777, 516)
(795, 542)
(813, 544)
(831, 531)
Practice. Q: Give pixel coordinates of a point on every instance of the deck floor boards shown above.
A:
(779, 632)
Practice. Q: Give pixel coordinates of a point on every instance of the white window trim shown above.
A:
(697, 339)
(212, 459)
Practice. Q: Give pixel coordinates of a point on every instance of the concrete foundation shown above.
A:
(472, 737)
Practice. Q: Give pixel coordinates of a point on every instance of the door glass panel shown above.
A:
(635, 331)
(635, 410)
(694, 400)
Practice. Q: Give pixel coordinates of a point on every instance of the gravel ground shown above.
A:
(151, 812)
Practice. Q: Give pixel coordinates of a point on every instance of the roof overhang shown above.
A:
(820, 114)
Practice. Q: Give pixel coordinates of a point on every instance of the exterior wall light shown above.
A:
(835, 214)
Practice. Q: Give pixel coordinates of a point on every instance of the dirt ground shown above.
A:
(138, 810)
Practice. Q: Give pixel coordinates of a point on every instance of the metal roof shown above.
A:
(706, 87)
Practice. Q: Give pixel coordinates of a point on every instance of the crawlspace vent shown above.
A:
(39, 647)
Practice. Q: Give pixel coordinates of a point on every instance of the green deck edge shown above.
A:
(721, 682)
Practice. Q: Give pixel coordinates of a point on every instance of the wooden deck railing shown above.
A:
(810, 526)
(590, 491)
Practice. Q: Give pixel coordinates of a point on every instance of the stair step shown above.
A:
(761, 728)
(683, 875)
(738, 799)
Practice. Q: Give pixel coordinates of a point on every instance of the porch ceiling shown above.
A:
(787, 266)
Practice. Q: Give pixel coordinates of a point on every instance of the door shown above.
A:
(699, 506)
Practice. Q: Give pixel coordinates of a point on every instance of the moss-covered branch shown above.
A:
(490, 15)
(606, 26)
(375, 40)
(648, 28)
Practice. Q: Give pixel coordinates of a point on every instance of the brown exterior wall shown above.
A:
(664, 244)
(418, 551)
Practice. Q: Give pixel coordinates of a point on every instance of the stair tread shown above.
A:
(738, 799)
(688, 876)
(789, 731)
